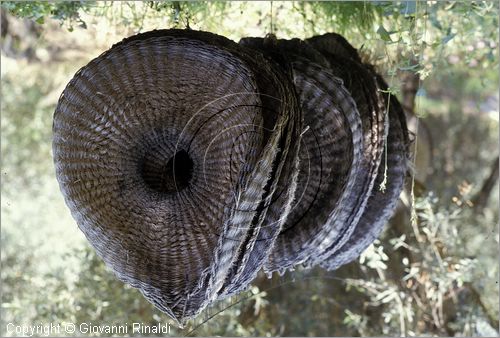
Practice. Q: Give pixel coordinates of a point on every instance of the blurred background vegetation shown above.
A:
(434, 271)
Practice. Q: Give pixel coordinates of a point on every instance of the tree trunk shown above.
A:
(480, 200)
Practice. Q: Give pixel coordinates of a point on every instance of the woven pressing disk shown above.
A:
(164, 148)
(366, 87)
(334, 44)
(328, 190)
(278, 206)
(388, 186)
(361, 85)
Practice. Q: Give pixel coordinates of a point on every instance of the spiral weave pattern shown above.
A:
(191, 162)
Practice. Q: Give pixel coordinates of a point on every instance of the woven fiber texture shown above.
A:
(329, 158)
(161, 155)
(345, 64)
(191, 162)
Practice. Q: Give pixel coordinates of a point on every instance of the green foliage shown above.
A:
(341, 15)
(38, 11)
(436, 271)
(184, 12)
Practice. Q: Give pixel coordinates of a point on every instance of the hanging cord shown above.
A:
(272, 23)
(270, 39)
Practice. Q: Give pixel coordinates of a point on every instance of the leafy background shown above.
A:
(434, 271)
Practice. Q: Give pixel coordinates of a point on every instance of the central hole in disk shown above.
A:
(167, 175)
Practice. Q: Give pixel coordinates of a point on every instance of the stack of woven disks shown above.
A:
(192, 162)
